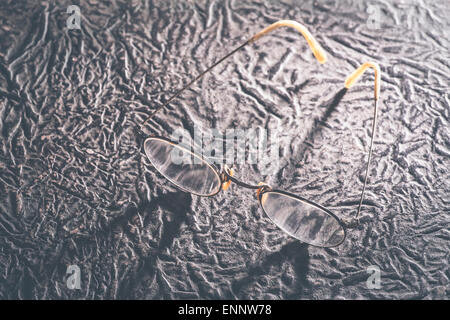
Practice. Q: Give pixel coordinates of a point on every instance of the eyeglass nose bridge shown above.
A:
(228, 177)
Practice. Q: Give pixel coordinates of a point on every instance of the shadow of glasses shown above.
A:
(295, 253)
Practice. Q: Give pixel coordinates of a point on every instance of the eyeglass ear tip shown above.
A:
(320, 56)
(322, 59)
(349, 82)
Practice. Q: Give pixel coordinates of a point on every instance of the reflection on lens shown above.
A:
(182, 167)
(302, 220)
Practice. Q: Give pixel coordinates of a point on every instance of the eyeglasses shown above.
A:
(302, 219)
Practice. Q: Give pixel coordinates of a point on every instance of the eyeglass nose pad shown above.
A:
(227, 183)
(258, 191)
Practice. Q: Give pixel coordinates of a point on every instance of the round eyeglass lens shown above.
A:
(303, 220)
(182, 167)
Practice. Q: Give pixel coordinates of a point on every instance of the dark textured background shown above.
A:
(76, 188)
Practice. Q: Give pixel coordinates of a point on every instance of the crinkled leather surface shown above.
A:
(77, 189)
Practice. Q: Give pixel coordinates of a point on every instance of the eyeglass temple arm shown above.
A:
(317, 50)
(348, 83)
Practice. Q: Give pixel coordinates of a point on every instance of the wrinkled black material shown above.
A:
(76, 188)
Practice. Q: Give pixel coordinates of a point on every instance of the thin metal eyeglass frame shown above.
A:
(320, 55)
